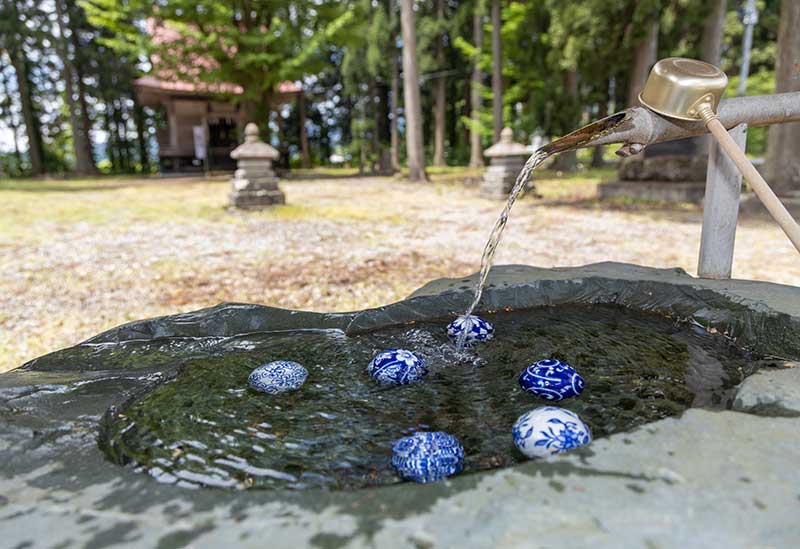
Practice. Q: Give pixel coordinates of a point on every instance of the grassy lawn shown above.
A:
(81, 256)
(34, 208)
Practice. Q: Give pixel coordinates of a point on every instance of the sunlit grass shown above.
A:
(341, 212)
(32, 209)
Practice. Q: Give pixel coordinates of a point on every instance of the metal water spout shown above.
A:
(687, 89)
(682, 98)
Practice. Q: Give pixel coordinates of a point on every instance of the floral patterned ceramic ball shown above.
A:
(397, 367)
(277, 377)
(549, 430)
(428, 457)
(477, 329)
(552, 380)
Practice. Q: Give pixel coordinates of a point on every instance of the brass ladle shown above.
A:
(688, 89)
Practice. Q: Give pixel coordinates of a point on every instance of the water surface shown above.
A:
(206, 428)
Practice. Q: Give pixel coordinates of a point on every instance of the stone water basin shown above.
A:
(673, 465)
(203, 427)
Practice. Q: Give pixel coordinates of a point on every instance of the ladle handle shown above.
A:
(759, 185)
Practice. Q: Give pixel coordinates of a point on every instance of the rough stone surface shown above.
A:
(676, 168)
(750, 205)
(664, 178)
(254, 184)
(506, 159)
(706, 479)
(772, 392)
(655, 191)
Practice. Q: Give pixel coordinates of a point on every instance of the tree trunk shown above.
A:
(711, 48)
(568, 161)
(497, 70)
(86, 122)
(394, 137)
(413, 110)
(29, 114)
(440, 96)
(111, 139)
(597, 152)
(305, 158)
(644, 57)
(122, 139)
(79, 147)
(141, 137)
(375, 143)
(783, 151)
(394, 134)
(17, 152)
(12, 123)
(475, 147)
(713, 32)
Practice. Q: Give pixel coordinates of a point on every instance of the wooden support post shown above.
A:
(721, 209)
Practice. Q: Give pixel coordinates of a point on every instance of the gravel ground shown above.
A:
(75, 263)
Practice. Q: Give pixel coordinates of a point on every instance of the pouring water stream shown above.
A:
(572, 141)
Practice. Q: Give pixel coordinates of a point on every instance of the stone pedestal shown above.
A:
(506, 159)
(665, 172)
(254, 184)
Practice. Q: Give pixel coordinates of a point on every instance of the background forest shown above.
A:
(67, 67)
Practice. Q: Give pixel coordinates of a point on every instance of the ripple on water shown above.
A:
(205, 428)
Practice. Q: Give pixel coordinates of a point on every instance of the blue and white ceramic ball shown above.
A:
(277, 377)
(549, 430)
(552, 380)
(477, 329)
(428, 457)
(397, 367)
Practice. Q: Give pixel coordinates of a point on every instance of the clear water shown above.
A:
(206, 428)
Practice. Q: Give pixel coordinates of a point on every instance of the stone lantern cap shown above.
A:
(253, 148)
(507, 146)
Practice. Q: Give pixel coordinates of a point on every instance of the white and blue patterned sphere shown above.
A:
(428, 457)
(397, 367)
(549, 430)
(277, 377)
(478, 330)
(552, 380)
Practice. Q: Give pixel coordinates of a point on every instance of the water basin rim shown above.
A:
(85, 480)
(673, 292)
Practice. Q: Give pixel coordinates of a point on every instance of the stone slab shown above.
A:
(751, 206)
(671, 167)
(772, 392)
(259, 198)
(655, 191)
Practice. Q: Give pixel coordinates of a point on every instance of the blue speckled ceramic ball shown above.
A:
(277, 377)
(549, 430)
(428, 457)
(552, 380)
(478, 330)
(397, 367)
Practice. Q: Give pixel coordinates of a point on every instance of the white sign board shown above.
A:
(199, 135)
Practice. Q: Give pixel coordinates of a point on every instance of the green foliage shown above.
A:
(342, 52)
(256, 45)
(759, 83)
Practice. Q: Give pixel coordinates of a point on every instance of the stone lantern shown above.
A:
(506, 159)
(254, 183)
